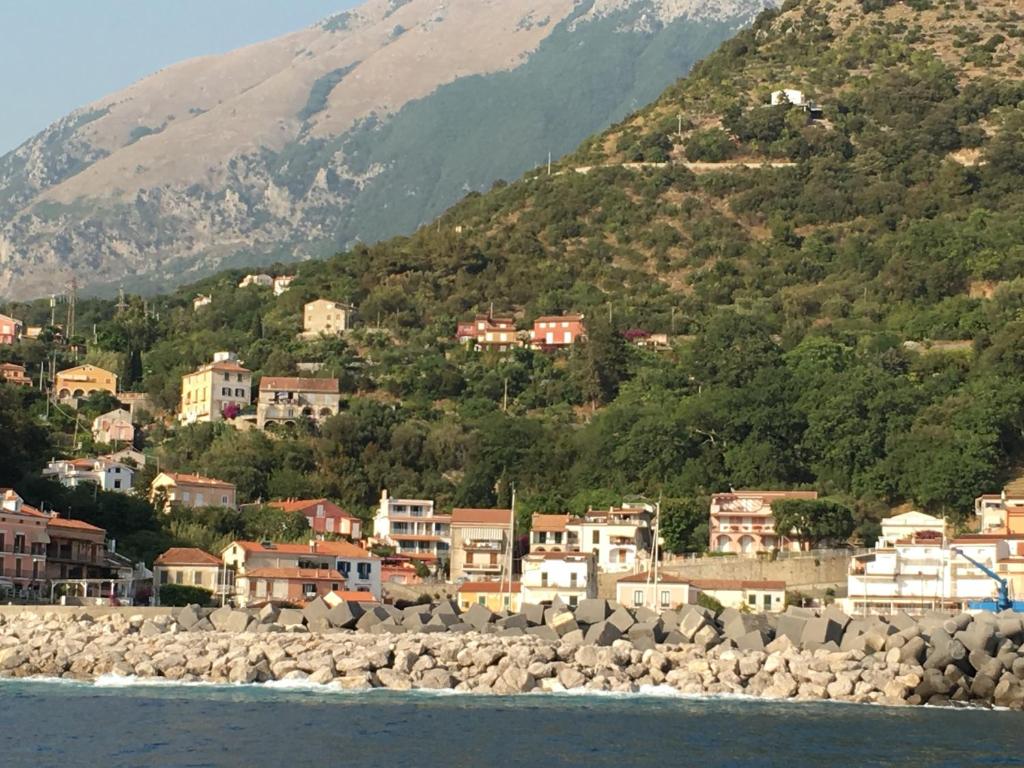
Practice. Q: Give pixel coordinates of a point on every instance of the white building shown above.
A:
(326, 317)
(200, 301)
(282, 284)
(262, 281)
(791, 95)
(113, 427)
(569, 576)
(107, 475)
(413, 528)
(620, 538)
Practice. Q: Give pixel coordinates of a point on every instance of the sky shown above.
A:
(56, 55)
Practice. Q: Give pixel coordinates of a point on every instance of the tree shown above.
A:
(813, 521)
(601, 362)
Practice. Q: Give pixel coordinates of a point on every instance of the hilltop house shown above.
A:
(83, 380)
(413, 528)
(193, 491)
(113, 427)
(324, 516)
(191, 567)
(287, 400)
(15, 375)
(106, 474)
(282, 283)
(215, 391)
(569, 576)
(557, 331)
(480, 541)
(260, 281)
(10, 330)
(742, 522)
(326, 317)
(489, 332)
(300, 572)
(200, 301)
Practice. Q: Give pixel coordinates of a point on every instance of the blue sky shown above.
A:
(56, 55)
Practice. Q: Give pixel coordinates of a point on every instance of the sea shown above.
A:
(122, 722)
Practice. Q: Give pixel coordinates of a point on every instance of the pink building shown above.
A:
(10, 329)
(557, 331)
(23, 541)
(742, 522)
(489, 332)
(324, 516)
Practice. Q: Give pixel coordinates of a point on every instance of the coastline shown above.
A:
(690, 655)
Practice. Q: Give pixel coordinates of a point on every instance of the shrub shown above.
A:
(707, 601)
(178, 595)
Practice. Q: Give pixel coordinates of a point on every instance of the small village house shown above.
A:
(200, 301)
(557, 331)
(259, 281)
(300, 572)
(288, 400)
(82, 380)
(106, 474)
(641, 590)
(195, 491)
(189, 566)
(480, 544)
(494, 595)
(413, 528)
(113, 427)
(741, 521)
(489, 332)
(15, 375)
(215, 391)
(550, 533)
(10, 330)
(324, 516)
(282, 283)
(569, 576)
(749, 594)
(326, 317)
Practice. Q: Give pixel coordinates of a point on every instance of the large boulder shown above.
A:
(602, 633)
(219, 618)
(478, 616)
(515, 621)
(534, 613)
(563, 623)
(371, 618)
(592, 611)
(315, 609)
(238, 621)
(818, 632)
(289, 617)
(622, 619)
(344, 615)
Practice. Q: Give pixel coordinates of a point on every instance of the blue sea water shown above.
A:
(46, 724)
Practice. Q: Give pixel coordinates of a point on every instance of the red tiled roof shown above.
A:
(737, 584)
(186, 556)
(225, 365)
(297, 383)
(295, 574)
(303, 505)
(559, 319)
(494, 587)
(329, 548)
(80, 525)
(354, 597)
(186, 479)
(549, 523)
(663, 578)
(484, 516)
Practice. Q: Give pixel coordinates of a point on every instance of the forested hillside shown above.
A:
(852, 321)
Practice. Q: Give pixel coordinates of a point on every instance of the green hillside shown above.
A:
(852, 321)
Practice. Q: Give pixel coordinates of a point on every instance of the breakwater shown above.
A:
(600, 646)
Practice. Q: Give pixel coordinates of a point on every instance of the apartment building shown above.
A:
(82, 380)
(569, 576)
(741, 521)
(24, 537)
(620, 538)
(196, 491)
(480, 544)
(326, 317)
(413, 528)
(216, 391)
(106, 474)
(290, 400)
(10, 330)
(491, 594)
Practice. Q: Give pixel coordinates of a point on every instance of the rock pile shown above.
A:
(599, 646)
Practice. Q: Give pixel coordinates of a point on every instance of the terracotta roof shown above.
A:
(549, 523)
(736, 584)
(186, 479)
(328, 548)
(302, 505)
(295, 574)
(26, 509)
(224, 365)
(12, 367)
(289, 383)
(485, 516)
(80, 525)
(495, 587)
(354, 597)
(559, 319)
(663, 578)
(186, 556)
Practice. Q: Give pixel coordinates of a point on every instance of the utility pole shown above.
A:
(680, 116)
(504, 400)
(72, 300)
(549, 163)
(510, 562)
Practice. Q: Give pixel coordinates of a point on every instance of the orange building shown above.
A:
(557, 331)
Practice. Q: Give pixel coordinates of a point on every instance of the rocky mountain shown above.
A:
(363, 126)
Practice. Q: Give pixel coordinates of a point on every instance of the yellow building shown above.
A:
(328, 317)
(83, 380)
(193, 491)
(491, 594)
(215, 391)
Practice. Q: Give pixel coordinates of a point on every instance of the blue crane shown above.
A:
(1003, 602)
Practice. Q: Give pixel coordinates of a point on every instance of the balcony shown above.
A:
(483, 545)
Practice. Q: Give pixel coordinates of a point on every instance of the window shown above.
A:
(345, 567)
(239, 393)
(638, 597)
(117, 484)
(543, 579)
(573, 578)
(334, 586)
(665, 599)
(17, 567)
(179, 577)
(558, 537)
(239, 376)
(596, 537)
(199, 500)
(309, 589)
(752, 599)
(481, 600)
(363, 570)
(197, 578)
(224, 500)
(573, 601)
(227, 377)
(767, 602)
(19, 543)
(319, 510)
(163, 577)
(508, 602)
